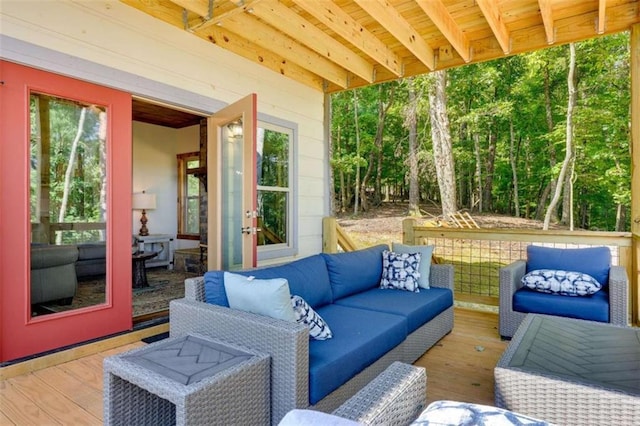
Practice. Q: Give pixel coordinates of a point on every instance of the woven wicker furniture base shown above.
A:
(571, 372)
(189, 380)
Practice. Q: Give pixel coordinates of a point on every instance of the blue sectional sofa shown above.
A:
(372, 327)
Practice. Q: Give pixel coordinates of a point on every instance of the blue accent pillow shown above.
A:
(400, 271)
(264, 297)
(214, 288)
(595, 261)
(426, 252)
(318, 328)
(354, 271)
(566, 283)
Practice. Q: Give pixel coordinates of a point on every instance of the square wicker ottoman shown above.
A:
(189, 380)
(571, 372)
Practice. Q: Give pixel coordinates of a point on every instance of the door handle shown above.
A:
(250, 230)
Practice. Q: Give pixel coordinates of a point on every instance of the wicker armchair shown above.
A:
(511, 281)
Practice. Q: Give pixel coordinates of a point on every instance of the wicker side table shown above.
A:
(187, 380)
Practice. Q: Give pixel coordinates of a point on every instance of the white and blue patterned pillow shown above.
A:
(566, 283)
(400, 271)
(318, 328)
(453, 413)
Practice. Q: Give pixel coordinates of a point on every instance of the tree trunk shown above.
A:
(67, 175)
(569, 155)
(356, 203)
(442, 147)
(477, 198)
(411, 123)
(552, 150)
(487, 190)
(514, 169)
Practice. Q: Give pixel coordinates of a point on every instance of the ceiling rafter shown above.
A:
(393, 22)
(547, 20)
(602, 16)
(496, 23)
(331, 15)
(270, 39)
(440, 16)
(289, 22)
(200, 7)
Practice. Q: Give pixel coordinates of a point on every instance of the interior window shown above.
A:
(188, 196)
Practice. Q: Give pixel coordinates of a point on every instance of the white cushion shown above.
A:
(453, 413)
(400, 271)
(297, 417)
(426, 252)
(566, 283)
(265, 297)
(318, 328)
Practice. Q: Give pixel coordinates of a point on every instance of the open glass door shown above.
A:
(231, 179)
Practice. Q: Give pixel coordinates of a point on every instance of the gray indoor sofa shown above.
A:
(288, 343)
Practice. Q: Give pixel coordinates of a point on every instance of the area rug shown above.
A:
(164, 286)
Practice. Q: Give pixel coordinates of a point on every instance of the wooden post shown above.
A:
(408, 236)
(329, 235)
(635, 172)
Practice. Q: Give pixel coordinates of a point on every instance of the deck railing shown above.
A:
(478, 254)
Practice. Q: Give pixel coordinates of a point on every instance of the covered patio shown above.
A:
(319, 47)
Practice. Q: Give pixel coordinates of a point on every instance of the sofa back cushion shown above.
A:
(595, 261)
(354, 271)
(307, 278)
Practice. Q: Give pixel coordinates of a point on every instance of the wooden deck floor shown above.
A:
(459, 367)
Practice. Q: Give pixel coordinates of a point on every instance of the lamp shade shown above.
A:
(143, 201)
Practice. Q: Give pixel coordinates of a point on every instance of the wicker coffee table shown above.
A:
(571, 372)
(187, 380)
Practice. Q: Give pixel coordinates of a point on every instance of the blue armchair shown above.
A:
(610, 304)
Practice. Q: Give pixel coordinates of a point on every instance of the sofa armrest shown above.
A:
(441, 275)
(194, 289)
(286, 342)
(511, 280)
(395, 397)
(618, 296)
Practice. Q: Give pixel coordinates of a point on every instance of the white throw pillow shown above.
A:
(453, 413)
(566, 283)
(318, 328)
(426, 252)
(400, 271)
(265, 297)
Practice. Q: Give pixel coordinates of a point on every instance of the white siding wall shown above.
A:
(113, 44)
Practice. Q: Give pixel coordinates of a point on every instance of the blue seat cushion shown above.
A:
(307, 277)
(360, 337)
(418, 308)
(595, 261)
(594, 308)
(354, 271)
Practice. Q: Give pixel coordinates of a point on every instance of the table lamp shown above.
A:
(143, 201)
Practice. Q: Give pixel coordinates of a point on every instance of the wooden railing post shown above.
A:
(329, 235)
(408, 236)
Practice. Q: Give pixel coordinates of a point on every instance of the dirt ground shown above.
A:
(387, 219)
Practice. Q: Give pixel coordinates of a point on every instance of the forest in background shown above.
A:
(543, 135)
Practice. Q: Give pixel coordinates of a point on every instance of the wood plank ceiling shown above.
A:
(332, 45)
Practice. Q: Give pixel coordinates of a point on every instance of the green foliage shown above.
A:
(528, 91)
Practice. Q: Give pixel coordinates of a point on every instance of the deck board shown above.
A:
(459, 367)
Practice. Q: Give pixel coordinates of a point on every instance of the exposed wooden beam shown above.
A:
(602, 16)
(331, 15)
(219, 14)
(289, 22)
(494, 19)
(442, 19)
(547, 20)
(201, 7)
(389, 17)
(272, 40)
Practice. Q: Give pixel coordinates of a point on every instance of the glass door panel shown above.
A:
(68, 183)
(232, 187)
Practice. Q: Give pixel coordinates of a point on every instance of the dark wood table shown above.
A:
(139, 269)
